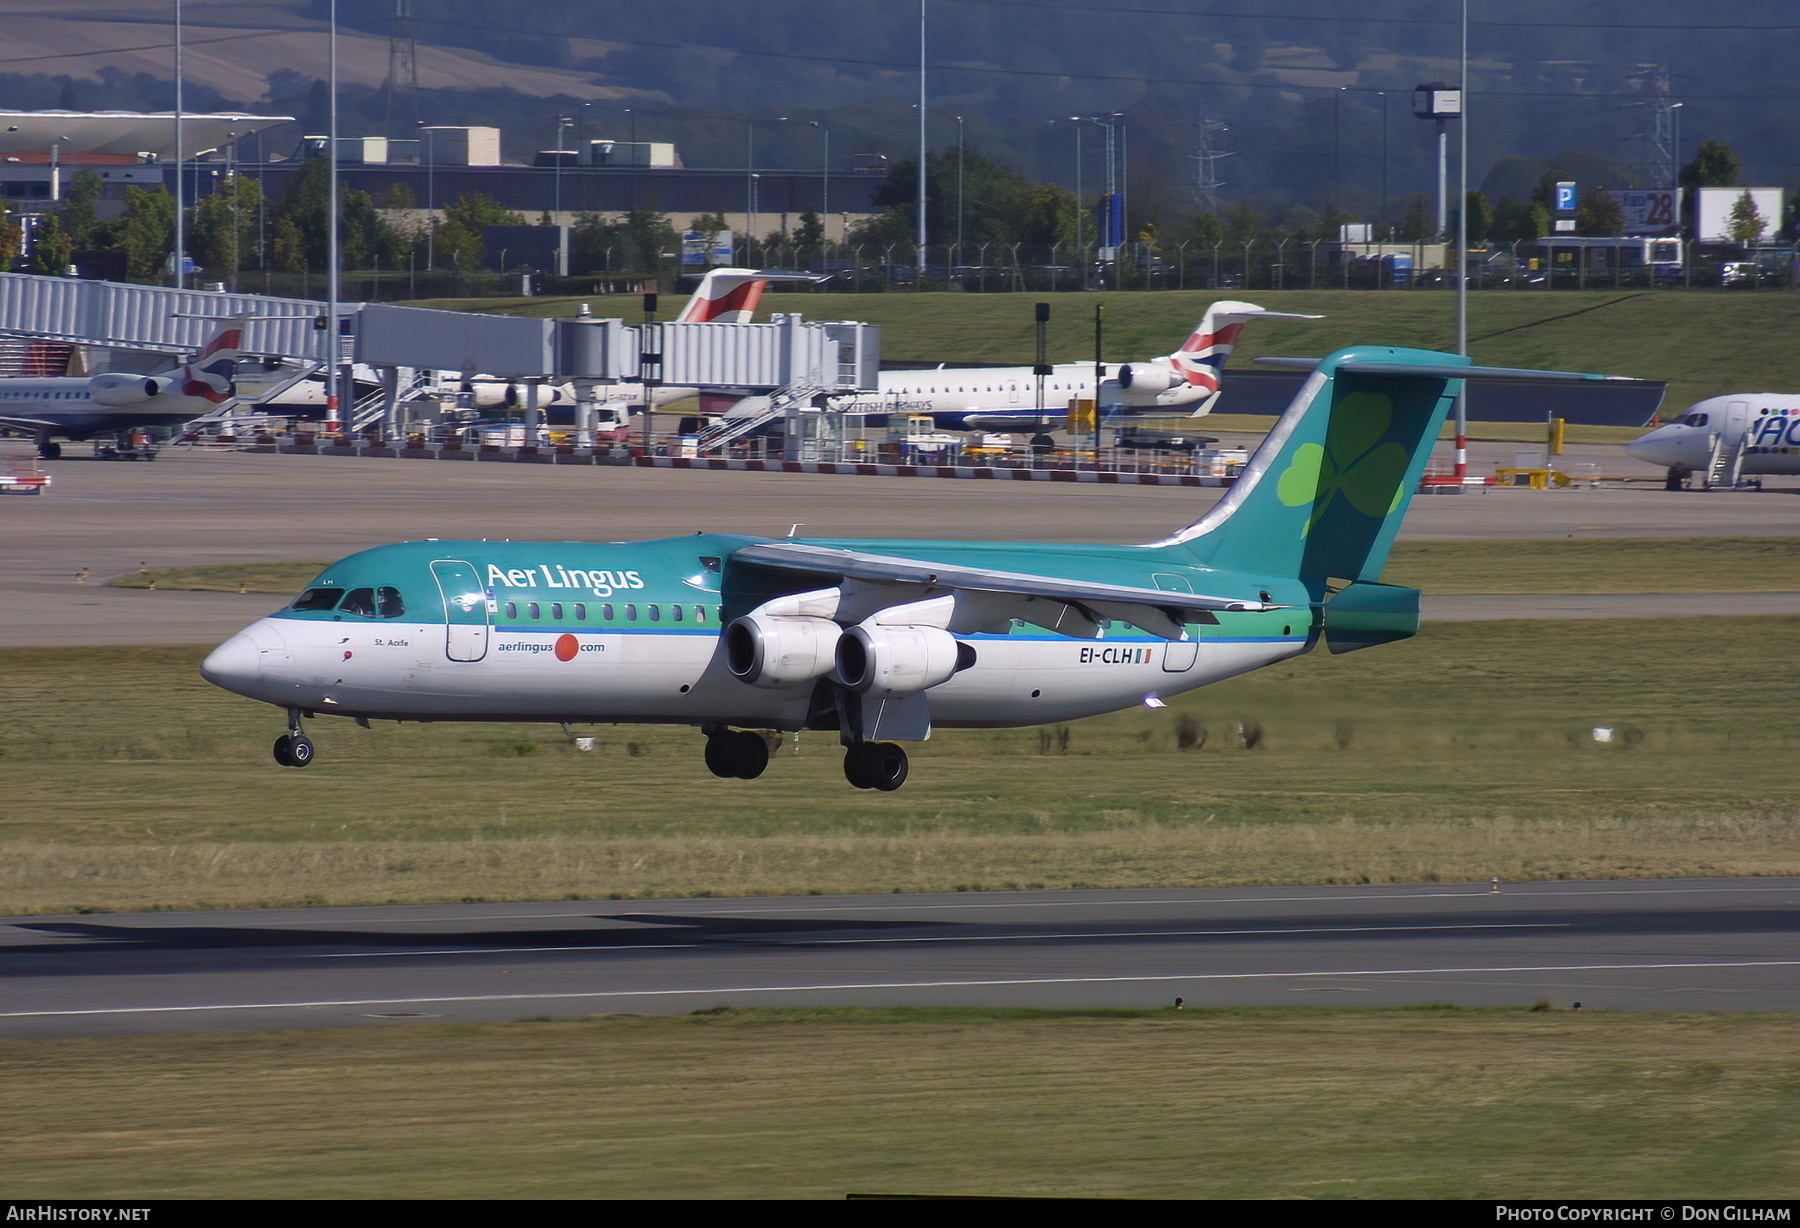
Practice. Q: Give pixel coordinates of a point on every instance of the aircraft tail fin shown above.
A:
(730, 296)
(1201, 358)
(209, 375)
(1323, 496)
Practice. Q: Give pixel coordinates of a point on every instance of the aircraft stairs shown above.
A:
(1725, 468)
(238, 407)
(752, 413)
(369, 410)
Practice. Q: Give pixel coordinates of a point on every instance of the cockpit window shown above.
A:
(388, 603)
(1695, 420)
(318, 599)
(359, 601)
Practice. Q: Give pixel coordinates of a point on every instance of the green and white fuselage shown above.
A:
(581, 632)
(880, 640)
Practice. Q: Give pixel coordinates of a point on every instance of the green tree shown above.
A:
(1746, 224)
(145, 231)
(12, 235)
(1516, 221)
(222, 234)
(78, 214)
(1599, 214)
(364, 236)
(459, 242)
(50, 247)
(1481, 216)
(1419, 225)
(1714, 166)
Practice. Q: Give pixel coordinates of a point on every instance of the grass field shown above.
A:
(1628, 565)
(1705, 343)
(1428, 1103)
(1464, 753)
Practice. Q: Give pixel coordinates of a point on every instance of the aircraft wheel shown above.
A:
(751, 755)
(857, 767)
(890, 766)
(293, 750)
(49, 451)
(720, 760)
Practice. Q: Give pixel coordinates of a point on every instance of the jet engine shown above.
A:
(1148, 377)
(881, 661)
(774, 651)
(118, 388)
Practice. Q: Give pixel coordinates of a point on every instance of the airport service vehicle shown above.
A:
(1005, 398)
(1723, 439)
(879, 641)
(81, 407)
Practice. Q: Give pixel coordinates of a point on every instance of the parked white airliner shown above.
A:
(1005, 398)
(1723, 439)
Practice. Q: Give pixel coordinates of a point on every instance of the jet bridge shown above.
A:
(807, 361)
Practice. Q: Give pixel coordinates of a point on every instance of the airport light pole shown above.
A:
(180, 221)
(919, 277)
(562, 124)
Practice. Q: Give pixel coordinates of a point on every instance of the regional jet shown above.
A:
(1726, 438)
(1005, 398)
(879, 642)
(81, 407)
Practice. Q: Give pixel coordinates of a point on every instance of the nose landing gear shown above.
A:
(293, 748)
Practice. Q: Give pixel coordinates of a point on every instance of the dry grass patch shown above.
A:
(1430, 1103)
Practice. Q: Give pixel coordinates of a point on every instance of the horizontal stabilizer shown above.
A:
(1517, 374)
(1365, 614)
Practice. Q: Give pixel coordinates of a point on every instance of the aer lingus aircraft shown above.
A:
(880, 641)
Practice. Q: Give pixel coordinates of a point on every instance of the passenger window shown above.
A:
(512, 609)
(655, 613)
(581, 611)
(359, 601)
(699, 613)
(675, 612)
(531, 610)
(388, 603)
(631, 612)
(556, 611)
(318, 599)
(606, 612)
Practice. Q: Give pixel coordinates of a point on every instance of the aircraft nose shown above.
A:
(237, 664)
(1656, 448)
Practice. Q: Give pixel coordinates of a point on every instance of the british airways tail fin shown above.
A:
(730, 296)
(1201, 358)
(209, 375)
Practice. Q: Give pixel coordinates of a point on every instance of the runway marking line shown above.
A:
(743, 989)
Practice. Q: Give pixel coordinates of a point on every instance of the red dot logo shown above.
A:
(566, 647)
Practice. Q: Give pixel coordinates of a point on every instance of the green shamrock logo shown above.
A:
(1353, 462)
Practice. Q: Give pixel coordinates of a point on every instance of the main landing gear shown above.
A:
(736, 753)
(293, 748)
(875, 765)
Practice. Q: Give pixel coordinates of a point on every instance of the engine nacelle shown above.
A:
(880, 661)
(1148, 377)
(118, 388)
(771, 651)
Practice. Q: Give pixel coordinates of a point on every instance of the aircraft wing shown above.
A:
(1102, 600)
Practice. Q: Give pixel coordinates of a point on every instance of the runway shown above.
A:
(1658, 945)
